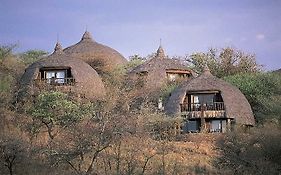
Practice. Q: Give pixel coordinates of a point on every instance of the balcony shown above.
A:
(54, 82)
(207, 110)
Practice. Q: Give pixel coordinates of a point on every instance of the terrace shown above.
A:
(55, 81)
(205, 110)
(55, 76)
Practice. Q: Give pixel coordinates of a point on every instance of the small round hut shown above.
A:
(59, 71)
(102, 58)
(210, 104)
(159, 70)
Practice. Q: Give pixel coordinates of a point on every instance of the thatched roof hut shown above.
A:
(159, 70)
(65, 73)
(102, 58)
(236, 105)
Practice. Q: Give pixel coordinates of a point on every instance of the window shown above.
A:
(218, 125)
(177, 74)
(202, 100)
(142, 73)
(56, 75)
(172, 77)
(191, 126)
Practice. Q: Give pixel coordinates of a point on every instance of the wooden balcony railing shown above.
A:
(207, 110)
(215, 106)
(55, 81)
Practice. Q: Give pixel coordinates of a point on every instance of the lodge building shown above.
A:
(205, 102)
(209, 104)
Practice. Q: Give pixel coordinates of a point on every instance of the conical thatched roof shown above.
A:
(102, 58)
(87, 81)
(159, 63)
(157, 67)
(236, 104)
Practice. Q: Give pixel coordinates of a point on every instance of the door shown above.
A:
(191, 126)
(216, 126)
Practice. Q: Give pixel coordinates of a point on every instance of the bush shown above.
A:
(256, 152)
(263, 91)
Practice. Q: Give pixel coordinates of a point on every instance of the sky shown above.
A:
(136, 26)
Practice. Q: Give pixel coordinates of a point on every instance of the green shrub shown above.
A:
(263, 91)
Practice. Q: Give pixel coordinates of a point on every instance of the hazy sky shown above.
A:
(135, 26)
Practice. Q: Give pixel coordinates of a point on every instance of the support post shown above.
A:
(203, 121)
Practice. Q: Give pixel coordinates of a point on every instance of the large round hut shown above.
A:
(102, 58)
(210, 104)
(59, 71)
(159, 71)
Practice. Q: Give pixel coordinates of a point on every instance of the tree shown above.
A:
(12, 152)
(263, 91)
(81, 145)
(135, 60)
(53, 109)
(31, 56)
(7, 83)
(10, 70)
(9, 61)
(225, 62)
(6, 51)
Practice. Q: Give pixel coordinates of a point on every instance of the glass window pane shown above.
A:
(50, 74)
(196, 99)
(60, 76)
(172, 77)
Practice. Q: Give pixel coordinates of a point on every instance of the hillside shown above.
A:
(55, 133)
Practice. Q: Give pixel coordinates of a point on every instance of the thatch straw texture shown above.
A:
(155, 69)
(102, 58)
(87, 81)
(236, 104)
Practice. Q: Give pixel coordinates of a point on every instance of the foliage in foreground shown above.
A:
(53, 109)
(255, 152)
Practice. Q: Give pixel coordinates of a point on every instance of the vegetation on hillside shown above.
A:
(263, 91)
(31, 56)
(56, 134)
(224, 62)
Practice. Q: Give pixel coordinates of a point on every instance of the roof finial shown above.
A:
(57, 37)
(87, 36)
(58, 48)
(160, 51)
